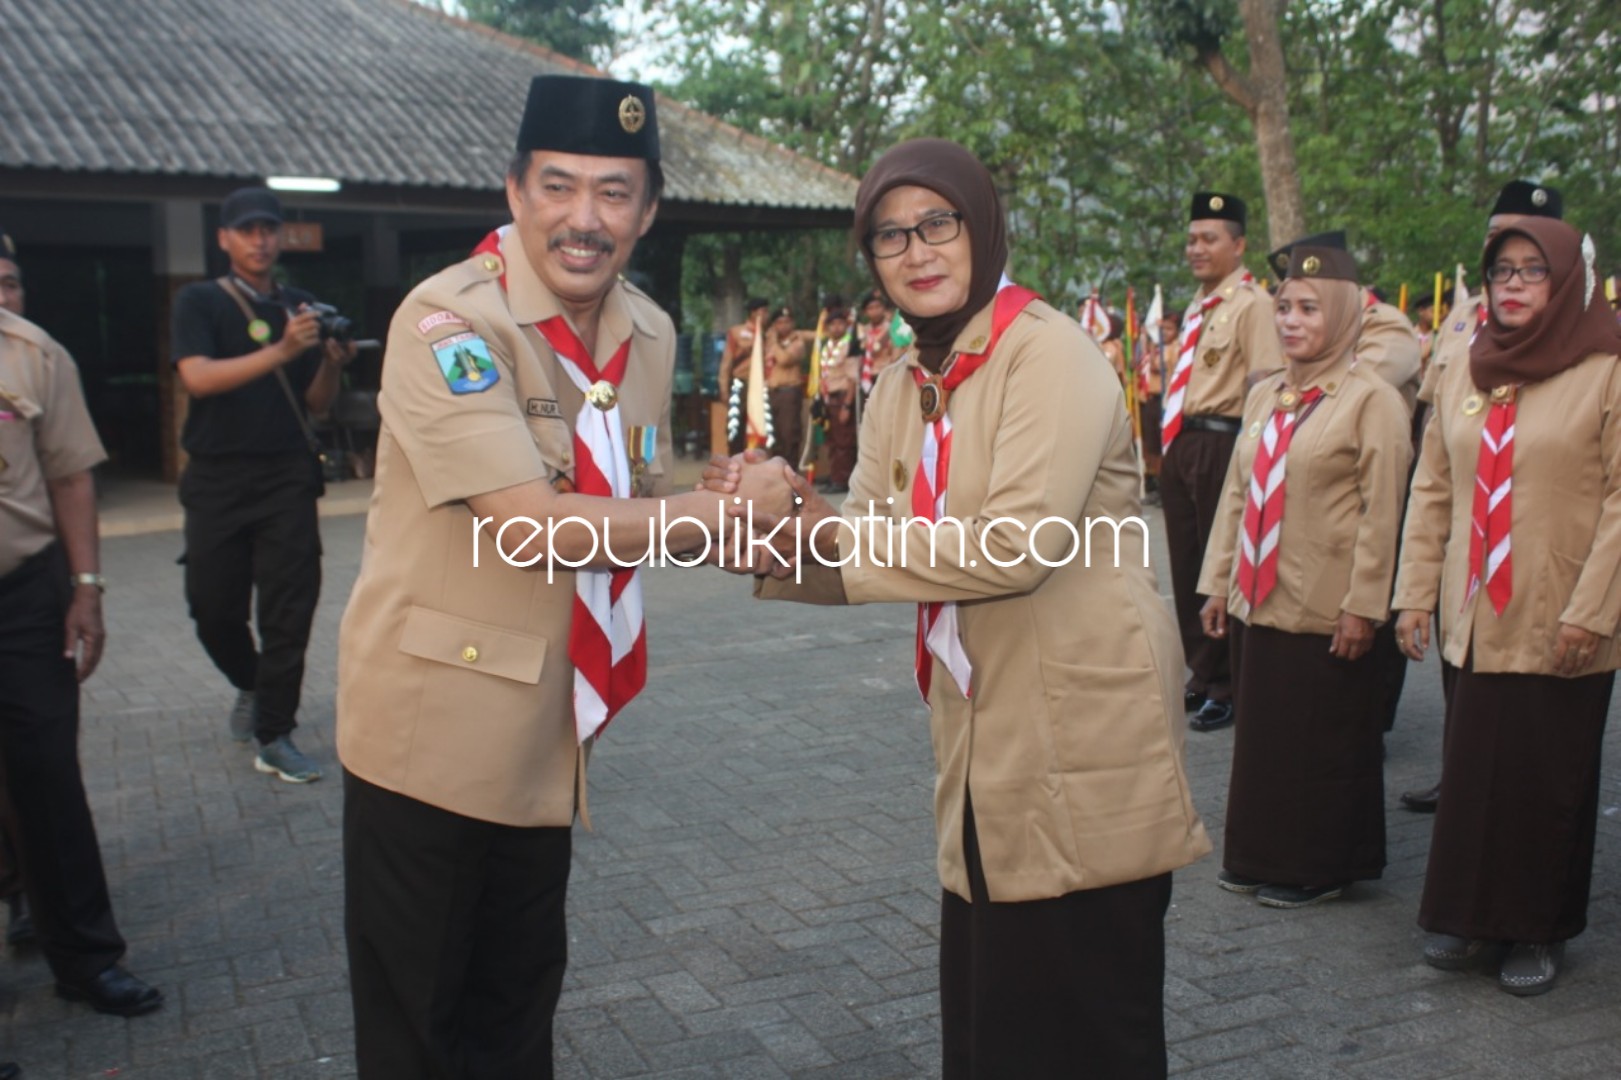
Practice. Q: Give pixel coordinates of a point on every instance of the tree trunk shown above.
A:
(1264, 95)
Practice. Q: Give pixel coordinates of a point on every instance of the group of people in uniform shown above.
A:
(523, 477)
(815, 382)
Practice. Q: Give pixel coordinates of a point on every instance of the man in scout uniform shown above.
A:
(51, 637)
(527, 385)
(1518, 200)
(251, 355)
(1227, 339)
(11, 276)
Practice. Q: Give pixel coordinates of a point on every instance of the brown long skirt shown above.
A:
(1071, 988)
(1306, 805)
(1511, 858)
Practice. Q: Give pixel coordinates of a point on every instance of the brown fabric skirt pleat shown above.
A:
(1511, 858)
(1071, 988)
(1306, 805)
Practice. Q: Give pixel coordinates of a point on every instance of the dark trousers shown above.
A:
(252, 535)
(787, 421)
(1064, 989)
(456, 938)
(1190, 480)
(39, 773)
(841, 442)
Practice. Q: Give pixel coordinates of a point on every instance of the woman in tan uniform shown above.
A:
(1061, 801)
(1299, 587)
(1514, 524)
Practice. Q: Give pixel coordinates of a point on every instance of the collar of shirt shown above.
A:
(530, 301)
(1227, 286)
(1330, 378)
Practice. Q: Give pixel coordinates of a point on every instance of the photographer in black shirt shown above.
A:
(253, 359)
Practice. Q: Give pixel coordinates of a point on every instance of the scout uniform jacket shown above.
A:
(1389, 347)
(1451, 344)
(1072, 740)
(1236, 342)
(454, 682)
(1566, 527)
(1345, 476)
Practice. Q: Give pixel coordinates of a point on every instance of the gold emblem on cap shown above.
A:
(1217, 202)
(1501, 394)
(1539, 198)
(491, 263)
(1288, 400)
(898, 473)
(1311, 264)
(603, 394)
(1473, 404)
(632, 114)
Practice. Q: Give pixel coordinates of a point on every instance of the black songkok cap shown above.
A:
(575, 114)
(1279, 259)
(1308, 261)
(1208, 205)
(246, 205)
(1535, 200)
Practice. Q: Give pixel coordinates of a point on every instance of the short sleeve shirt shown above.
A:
(255, 419)
(45, 435)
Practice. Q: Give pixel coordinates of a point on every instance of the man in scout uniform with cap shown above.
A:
(527, 385)
(250, 354)
(1518, 200)
(51, 638)
(1227, 340)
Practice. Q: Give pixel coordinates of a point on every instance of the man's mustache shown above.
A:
(590, 240)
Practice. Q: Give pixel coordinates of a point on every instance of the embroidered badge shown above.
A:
(259, 331)
(465, 362)
(546, 407)
(440, 318)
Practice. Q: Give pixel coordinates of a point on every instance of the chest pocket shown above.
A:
(1216, 336)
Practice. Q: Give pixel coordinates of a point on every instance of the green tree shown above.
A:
(576, 28)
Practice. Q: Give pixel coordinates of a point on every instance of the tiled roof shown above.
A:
(381, 92)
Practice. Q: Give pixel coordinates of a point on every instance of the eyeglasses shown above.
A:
(1502, 273)
(934, 231)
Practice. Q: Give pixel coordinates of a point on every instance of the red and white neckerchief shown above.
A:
(937, 634)
(607, 641)
(1263, 508)
(1490, 557)
(1170, 424)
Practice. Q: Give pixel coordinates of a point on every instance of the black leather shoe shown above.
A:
(10, 1070)
(1192, 701)
(1212, 715)
(114, 991)
(1422, 802)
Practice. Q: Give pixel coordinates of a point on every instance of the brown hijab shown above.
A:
(1576, 323)
(1342, 304)
(957, 176)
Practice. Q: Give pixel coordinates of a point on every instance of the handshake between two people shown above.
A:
(766, 495)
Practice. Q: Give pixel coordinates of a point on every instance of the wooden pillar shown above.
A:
(179, 257)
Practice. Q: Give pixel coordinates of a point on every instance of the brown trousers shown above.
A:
(1190, 480)
(787, 421)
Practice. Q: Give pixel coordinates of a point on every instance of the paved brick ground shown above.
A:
(758, 899)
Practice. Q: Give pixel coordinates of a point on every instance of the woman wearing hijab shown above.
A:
(1298, 572)
(1054, 688)
(1514, 524)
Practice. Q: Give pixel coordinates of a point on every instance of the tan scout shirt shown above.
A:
(1344, 479)
(1072, 742)
(45, 434)
(454, 683)
(1566, 528)
(1389, 347)
(785, 360)
(1451, 344)
(1238, 340)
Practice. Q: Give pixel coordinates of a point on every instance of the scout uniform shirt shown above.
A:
(454, 682)
(1388, 346)
(1238, 340)
(1566, 529)
(1452, 343)
(45, 435)
(1345, 475)
(1072, 741)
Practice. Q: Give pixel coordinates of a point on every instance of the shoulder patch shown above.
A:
(465, 362)
(441, 318)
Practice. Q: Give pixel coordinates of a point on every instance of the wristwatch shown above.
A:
(91, 579)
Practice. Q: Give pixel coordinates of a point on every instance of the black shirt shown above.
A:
(255, 419)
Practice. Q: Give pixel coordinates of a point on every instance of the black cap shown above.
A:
(1279, 259)
(1534, 200)
(1307, 261)
(576, 114)
(1208, 205)
(246, 205)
